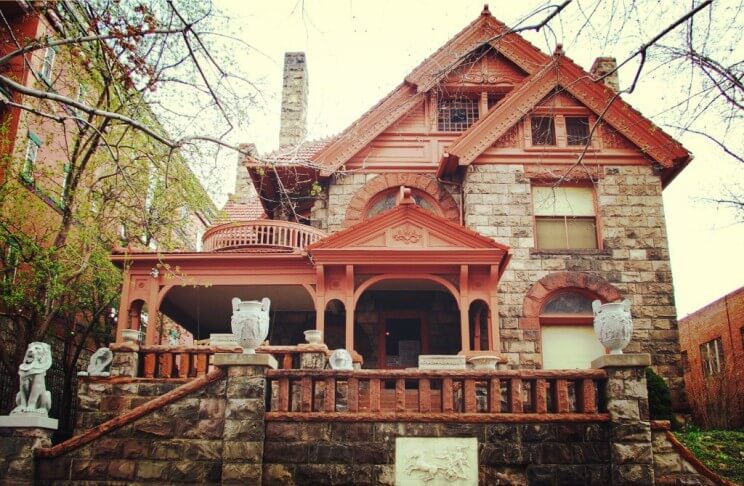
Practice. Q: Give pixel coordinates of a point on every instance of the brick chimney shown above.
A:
(244, 190)
(602, 66)
(294, 99)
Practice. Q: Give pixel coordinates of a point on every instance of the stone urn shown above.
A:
(250, 323)
(313, 336)
(613, 324)
(484, 363)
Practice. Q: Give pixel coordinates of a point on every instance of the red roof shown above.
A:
(300, 153)
(238, 211)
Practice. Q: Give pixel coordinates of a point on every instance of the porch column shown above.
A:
(320, 303)
(122, 318)
(494, 332)
(464, 309)
(350, 306)
(153, 307)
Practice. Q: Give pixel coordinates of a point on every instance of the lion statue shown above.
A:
(33, 396)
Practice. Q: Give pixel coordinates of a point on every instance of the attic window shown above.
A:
(577, 130)
(543, 130)
(457, 114)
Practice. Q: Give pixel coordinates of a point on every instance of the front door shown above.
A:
(403, 339)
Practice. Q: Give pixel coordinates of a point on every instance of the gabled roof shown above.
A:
(562, 73)
(403, 234)
(486, 30)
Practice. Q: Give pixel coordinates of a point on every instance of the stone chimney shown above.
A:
(602, 66)
(294, 99)
(244, 190)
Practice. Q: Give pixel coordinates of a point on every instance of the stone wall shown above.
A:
(364, 453)
(634, 258)
(181, 442)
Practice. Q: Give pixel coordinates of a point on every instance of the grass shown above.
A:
(721, 450)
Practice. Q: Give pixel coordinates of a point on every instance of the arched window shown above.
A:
(568, 339)
(386, 200)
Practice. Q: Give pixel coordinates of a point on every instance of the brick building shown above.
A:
(37, 151)
(452, 217)
(712, 344)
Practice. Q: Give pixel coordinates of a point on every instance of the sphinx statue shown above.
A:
(33, 396)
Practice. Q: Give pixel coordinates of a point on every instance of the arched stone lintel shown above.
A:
(554, 282)
(422, 182)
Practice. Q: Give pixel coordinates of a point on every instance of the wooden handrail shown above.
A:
(261, 233)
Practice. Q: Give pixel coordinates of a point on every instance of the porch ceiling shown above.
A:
(205, 310)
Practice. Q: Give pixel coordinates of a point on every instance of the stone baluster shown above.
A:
(631, 459)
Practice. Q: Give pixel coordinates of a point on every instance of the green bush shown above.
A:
(659, 398)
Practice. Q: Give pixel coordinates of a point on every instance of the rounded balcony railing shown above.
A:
(279, 235)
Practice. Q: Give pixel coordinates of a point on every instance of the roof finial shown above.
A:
(485, 10)
(558, 50)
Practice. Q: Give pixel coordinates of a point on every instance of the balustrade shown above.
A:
(260, 234)
(426, 395)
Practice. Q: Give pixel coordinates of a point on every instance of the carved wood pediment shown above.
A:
(406, 228)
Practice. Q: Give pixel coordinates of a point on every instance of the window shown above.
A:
(387, 199)
(29, 161)
(568, 339)
(46, 67)
(577, 130)
(564, 217)
(457, 114)
(711, 355)
(543, 130)
(65, 174)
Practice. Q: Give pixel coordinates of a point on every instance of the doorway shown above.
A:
(404, 336)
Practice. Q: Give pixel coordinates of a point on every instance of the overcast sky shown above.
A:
(358, 51)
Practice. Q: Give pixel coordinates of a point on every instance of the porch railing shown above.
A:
(163, 361)
(260, 234)
(435, 395)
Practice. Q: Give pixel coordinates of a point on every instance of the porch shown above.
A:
(400, 284)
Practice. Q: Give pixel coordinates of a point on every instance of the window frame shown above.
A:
(707, 364)
(553, 142)
(47, 64)
(559, 116)
(586, 139)
(445, 100)
(595, 205)
(30, 157)
(437, 208)
(566, 319)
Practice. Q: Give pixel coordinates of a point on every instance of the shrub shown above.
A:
(659, 398)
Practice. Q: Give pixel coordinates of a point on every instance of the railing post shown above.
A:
(631, 457)
(125, 361)
(242, 457)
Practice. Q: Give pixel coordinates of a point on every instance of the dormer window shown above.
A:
(457, 114)
(577, 130)
(543, 130)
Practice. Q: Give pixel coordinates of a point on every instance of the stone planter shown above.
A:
(250, 323)
(613, 324)
(484, 363)
(130, 335)
(313, 336)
